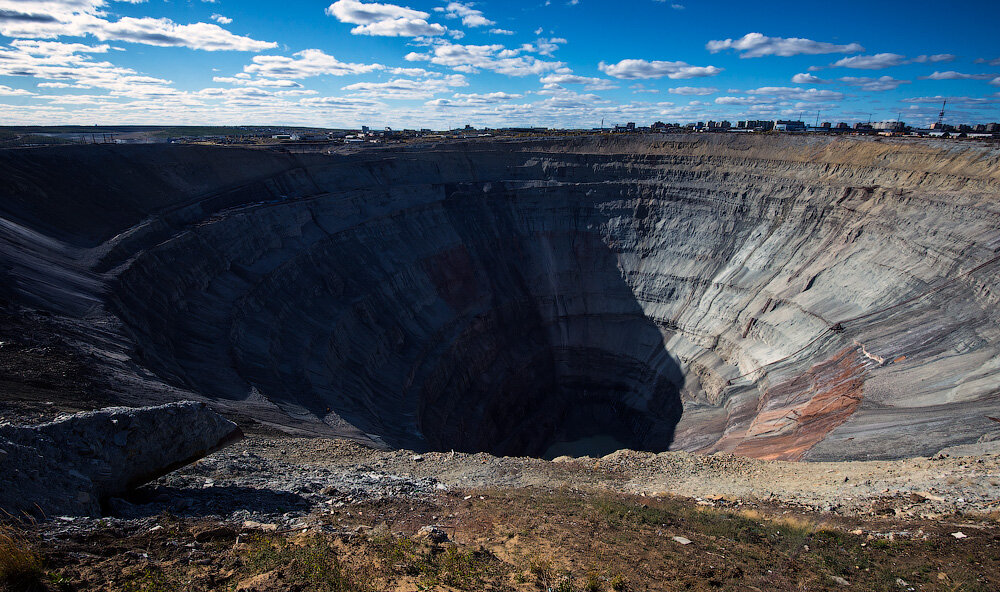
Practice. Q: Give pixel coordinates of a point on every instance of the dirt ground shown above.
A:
(289, 514)
(919, 487)
(525, 539)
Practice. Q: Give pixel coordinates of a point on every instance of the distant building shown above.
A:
(993, 127)
(891, 125)
(826, 125)
(787, 125)
(842, 126)
(755, 125)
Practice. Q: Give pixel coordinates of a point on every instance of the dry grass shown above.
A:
(794, 523)
(20, 566)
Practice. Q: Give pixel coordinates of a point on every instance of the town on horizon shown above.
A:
(22, 136)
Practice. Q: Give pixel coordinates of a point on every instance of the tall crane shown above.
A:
(941, 114)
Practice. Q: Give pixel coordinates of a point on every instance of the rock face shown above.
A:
(71, 465)
(517, 297)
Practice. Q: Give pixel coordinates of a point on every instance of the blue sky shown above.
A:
(438, 64)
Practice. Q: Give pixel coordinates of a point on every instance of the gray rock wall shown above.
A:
(511, 296)
(71, 465)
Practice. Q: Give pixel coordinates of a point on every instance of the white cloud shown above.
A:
(469, 15)
(939, 57)
(993, 62)
(953, 75)
(360, 13)
(501, 31)
(384, 20)
(347, 103)
(937, 99)
(472, 58)
(995, 81)
(405, 88)
(71, 65)
(639, 87)
(6, 91)
(543, 46)
(634, 69)
(569, 78)
(873, 84)
(400, 28)
(240, 81)
(474, 99)
(492, 97)
(222, 20)
(693, 90)
(780, 95)
(305, 64)
(56, 49)
(755, 45)
(870, 62)
(411, 72)
(166, 33)
(796, 94)
(48, 19)
(802, 78)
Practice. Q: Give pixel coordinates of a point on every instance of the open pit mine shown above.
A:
(775, 297)
(569, 364)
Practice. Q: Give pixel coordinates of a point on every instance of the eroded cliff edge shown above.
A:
(512, 296)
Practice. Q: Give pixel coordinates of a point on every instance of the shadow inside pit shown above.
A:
(553, 353)
(153, 500)
(498, 319)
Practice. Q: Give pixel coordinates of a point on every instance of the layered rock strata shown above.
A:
(780, 297)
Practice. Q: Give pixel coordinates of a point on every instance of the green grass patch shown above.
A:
(313, 562)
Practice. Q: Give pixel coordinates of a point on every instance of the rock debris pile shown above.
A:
(74, 464)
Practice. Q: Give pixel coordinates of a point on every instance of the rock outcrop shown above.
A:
(782, 297)
(71, 465)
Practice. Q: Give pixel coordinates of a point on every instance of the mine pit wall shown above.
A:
(503, 296)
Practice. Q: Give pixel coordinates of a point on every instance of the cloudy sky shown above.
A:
(437, 64)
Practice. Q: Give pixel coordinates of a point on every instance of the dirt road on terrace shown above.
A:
(919, 487)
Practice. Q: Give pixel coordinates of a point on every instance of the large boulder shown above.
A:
(71, 465)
